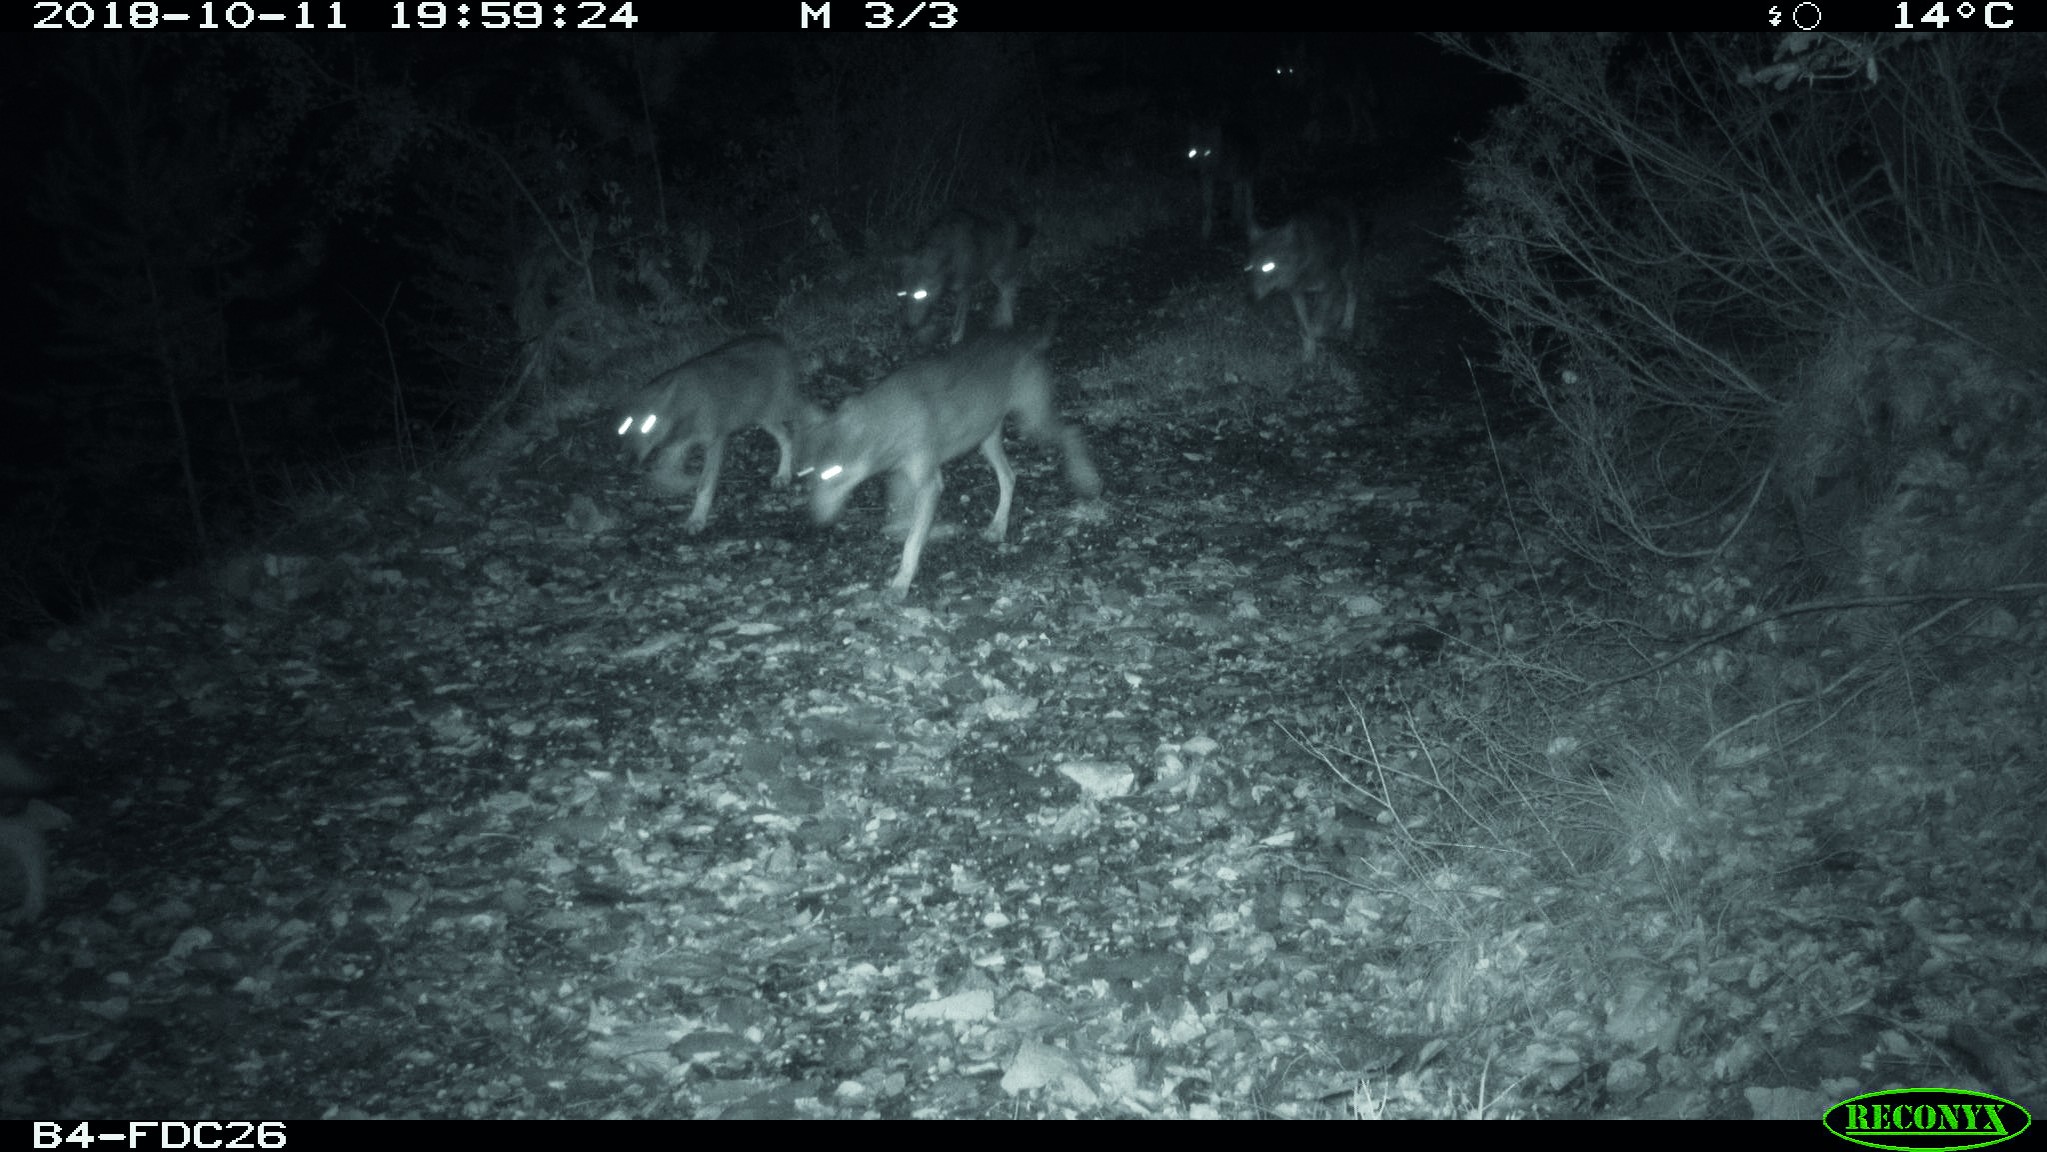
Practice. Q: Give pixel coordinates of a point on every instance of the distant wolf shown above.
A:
(1224, 153)
(961, 250)
(747, 383)
(1315, 252)
(1328, 96)
(927, 413)
(22, 841)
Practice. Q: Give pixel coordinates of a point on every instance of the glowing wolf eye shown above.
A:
(920, 293)
(647, 425)
(1268, 266)
(626, 427)
(830, 472)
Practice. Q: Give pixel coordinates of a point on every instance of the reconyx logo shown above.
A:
(1927, 1119)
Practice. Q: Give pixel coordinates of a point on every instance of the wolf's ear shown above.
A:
(24, 860)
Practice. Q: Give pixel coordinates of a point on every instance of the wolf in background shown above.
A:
(1223, 152)
(750, 382)
(1314, 253)
(929, 412)
(1327, 97)
(22, 841)
(961, 250)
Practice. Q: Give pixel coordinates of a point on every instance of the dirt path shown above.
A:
(507, 805)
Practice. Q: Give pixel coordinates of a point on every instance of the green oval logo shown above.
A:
(1926, 1119)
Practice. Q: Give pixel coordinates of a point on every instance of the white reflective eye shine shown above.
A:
(648, 426)
(626, 427)
(830, 472)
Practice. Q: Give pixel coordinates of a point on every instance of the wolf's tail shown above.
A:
(1080, 466)
(21, 840)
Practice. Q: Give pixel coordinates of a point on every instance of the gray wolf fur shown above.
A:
(1313, 254)
(927, 413)
(961, 250)
(22, 841)
(748, 383)
(1224, 153)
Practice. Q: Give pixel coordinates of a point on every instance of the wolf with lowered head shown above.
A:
(1311, 255)
(962, 249)
(929, 412)
(750, 382)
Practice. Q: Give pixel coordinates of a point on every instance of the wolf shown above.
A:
(747, 383)
(929, 412)
(1315, 252)
(961, 250)
(1226, 153)
(22, 840)
(1329, 97)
